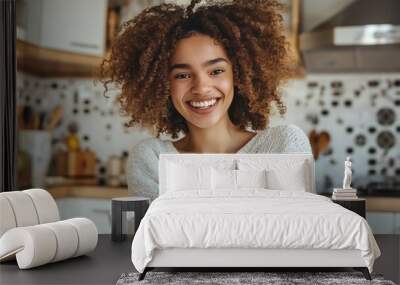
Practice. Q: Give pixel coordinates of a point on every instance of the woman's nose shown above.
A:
(201, 84)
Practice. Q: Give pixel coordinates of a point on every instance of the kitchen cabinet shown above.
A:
(384, 222)
(383, 214)
(397, 225)
(43, 62)
(92, 202)
(97, 210)
(74, 25)
(61, 38)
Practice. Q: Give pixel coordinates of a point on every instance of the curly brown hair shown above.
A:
(251, 33)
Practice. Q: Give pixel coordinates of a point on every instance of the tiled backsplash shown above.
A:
(360, 112)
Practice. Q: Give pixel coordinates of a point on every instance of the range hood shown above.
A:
(363, 37)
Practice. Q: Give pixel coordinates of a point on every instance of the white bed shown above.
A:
(282, 224)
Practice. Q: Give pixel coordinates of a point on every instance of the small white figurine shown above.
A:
(347, 174)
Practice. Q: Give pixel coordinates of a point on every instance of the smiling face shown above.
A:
(201, 81)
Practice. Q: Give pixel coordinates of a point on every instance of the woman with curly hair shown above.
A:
(211, 73)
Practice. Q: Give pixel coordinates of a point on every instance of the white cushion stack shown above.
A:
(31, 233)
(40, 244)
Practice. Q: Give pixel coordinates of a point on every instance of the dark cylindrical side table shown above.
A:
(138, 205)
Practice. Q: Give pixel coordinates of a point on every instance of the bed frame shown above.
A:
(246, 259)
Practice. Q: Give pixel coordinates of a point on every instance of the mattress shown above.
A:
(254, 218)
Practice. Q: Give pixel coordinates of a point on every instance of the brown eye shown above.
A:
(217, 71)
(181, 76)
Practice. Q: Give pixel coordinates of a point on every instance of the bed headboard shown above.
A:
(232, 159)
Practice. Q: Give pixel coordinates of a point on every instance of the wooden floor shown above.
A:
(110, 260)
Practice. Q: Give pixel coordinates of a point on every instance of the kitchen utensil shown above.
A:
(42, 120)
(324, 141)
(54, 118)
(114, 170)
(36, 121)
(81, 163)
(38, 145)
(28, 117)
(24, 170)
(319, 142)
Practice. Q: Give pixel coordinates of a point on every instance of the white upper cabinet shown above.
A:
(69, 25)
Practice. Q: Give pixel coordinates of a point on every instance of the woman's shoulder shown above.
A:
(149, 146)
(281, 131)
(143, 156)
(285, 138)
(290, 130)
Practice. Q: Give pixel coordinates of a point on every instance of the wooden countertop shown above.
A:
(101, 192)
(382, 204)
(378, 203)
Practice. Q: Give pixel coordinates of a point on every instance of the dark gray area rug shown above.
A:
(243, 278)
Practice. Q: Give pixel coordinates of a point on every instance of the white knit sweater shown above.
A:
(142, 165)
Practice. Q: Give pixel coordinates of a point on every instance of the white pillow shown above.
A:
(181, 177)
(236, 179)
(224, 179)
(281, 174)
(251, 178)
(293, 180)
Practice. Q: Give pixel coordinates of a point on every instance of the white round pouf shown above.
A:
(7, 216)
(87, 233)
(45, 205)
(67, 239)
(23, 208)
(33, 246)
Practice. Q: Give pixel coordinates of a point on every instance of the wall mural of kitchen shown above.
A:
(344, 115)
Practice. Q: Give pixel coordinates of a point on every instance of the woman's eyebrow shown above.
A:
(207, 63)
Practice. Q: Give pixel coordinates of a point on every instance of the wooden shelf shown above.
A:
(101, 192)
(45, 62)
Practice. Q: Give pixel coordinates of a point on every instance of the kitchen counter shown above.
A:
(378, 203)
(373, 203)
(78, 191)
(382, 204)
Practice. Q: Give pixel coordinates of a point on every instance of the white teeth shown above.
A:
(203, 104)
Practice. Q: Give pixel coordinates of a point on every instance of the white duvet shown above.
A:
(251, 218)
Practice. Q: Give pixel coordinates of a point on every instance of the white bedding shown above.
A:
(251, 218)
